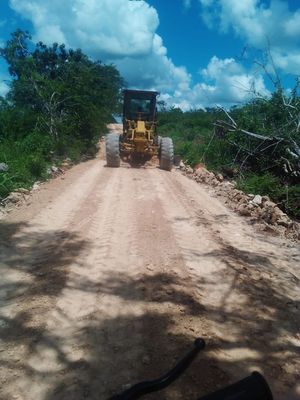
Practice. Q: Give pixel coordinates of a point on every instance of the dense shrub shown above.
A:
(265, 184)
(260, 166)
(58, 105)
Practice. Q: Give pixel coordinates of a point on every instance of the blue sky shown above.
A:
(197, 53)
(188, 40)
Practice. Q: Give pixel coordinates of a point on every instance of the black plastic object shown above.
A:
(254, 387)
(142, 388)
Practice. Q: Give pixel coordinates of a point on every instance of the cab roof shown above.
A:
(140, 94)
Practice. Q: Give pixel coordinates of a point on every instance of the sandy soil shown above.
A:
(107, 276)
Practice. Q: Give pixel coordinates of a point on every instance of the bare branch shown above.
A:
(231, 119)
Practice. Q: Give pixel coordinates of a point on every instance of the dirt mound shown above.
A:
(260, 209)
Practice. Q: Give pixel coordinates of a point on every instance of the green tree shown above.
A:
(59, 103)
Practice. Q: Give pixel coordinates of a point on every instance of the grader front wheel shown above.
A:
(112, 150)
(166, 154)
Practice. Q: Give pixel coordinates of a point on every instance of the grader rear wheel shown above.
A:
(112, 150)
(166, 154)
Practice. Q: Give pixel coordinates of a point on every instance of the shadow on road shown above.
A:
(40, 255)
(33, 268)
(141, 345)
(126, 349)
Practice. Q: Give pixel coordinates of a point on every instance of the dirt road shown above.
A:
(107, 276)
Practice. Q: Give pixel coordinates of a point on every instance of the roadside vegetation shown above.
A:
(60, 101)
(257, 144)
(58, 105)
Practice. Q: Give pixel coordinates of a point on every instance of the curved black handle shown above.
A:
(254, 387)
(142, 388)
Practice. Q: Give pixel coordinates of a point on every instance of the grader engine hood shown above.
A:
(140, 128)
(141, 137)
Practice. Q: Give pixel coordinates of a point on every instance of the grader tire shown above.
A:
(166, 154)
(112, 150)
(158, 141)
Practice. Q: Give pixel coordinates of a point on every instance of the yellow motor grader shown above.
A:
(139, 141)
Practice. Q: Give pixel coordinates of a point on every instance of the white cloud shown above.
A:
(224, 81)
(3, 85)
(259, 25)
(216, 66)
(115, 31)
(106, 28)
(231, 82)
(292, 25)
(123, 32)
(155, 70)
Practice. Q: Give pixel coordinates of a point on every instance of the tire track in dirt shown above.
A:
(237, 277)
(173, 317)
(89, 324)
(111, 282)
(45, 247)
(65, 353)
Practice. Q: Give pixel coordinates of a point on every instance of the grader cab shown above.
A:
(139, 141)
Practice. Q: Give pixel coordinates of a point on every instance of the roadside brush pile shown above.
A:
(257, 144)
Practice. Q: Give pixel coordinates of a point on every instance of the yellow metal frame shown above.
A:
(139, 138)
